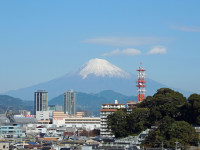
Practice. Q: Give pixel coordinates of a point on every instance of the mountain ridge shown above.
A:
(91, 82)
(92, 102)
(11, 103)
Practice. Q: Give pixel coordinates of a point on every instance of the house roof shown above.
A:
(102, 110)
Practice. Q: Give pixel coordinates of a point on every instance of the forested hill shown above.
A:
(169, 111)
(14, 104)
(92, 102)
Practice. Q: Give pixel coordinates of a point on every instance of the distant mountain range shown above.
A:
(84, 101)
(14, 104)
(94, 76)
(92, 102)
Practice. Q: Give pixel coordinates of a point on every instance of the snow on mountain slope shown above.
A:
(101, 67)
(94, 76)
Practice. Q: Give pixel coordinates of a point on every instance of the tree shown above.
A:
(182, 132)
(166, 109)
(122, 124)
(137, 121)
(165, 102)
(117, 123)
(170, 132)
(194, 109)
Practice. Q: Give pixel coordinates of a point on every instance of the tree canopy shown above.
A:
(117, 123)
(165, 102)
(167, 109)
(171, 132)
(194, 108)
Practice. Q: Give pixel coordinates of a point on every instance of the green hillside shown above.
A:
(110, 96)
(14, 104)
(92, 102)
(84, 101)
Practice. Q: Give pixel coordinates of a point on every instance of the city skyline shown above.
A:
(55, 38)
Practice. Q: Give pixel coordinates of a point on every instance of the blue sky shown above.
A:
(42, 40)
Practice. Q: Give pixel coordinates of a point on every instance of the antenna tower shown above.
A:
(141, 84)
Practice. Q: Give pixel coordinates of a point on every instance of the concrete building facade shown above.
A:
(107, 109)
(11, 131)
(60, 118)
(70, 102)
(41, 101)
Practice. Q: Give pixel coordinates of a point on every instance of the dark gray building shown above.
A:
(41, 101)
(70, 102)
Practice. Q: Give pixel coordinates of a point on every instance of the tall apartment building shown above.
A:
(70, 102)
(41, 107)
(107, 109)
(41, 101)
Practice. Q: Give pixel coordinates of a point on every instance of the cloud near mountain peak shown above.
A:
(128, 51)
(127, 41)
(157, 50)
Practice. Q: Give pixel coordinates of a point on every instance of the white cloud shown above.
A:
(158, 50)
(127, 41)
(186, 29)
(128, 51)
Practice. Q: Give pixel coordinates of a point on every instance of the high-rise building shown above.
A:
(41, 101)
(107, 109)
(70, 102)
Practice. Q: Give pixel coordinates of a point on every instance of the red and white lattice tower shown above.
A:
(141, 84)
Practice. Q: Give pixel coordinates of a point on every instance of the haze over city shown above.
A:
(43, 40)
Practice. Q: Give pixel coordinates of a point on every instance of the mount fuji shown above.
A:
(94, 76)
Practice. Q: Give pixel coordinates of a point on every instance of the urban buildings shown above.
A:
(42, 117)
(107, 109)
(4, 145)
(41, 106)
(11, 131)
(78, 120)
(131, 105)
(41, 101)
(70, 102)
(59, 117)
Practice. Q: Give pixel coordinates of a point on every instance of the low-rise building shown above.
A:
(41, 129)
(11, 131)
(42, 117)
(83, 122)
(131, 105)
(60, 118)
(4, 145)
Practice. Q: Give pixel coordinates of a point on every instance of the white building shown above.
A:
(107, 109)
(77, 121)
(88, 123)
(42, 117)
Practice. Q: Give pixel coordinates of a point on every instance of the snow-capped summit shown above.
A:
(101, 67)
(94, 76)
